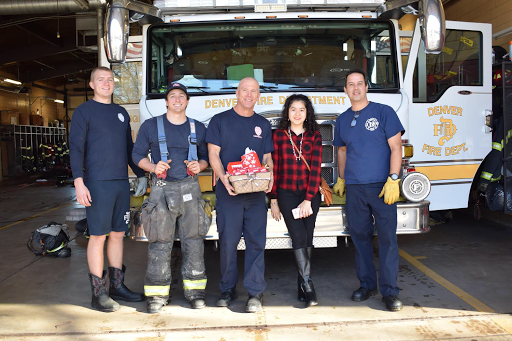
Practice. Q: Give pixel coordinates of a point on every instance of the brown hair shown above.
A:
(99, 68)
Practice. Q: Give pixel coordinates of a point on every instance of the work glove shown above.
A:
(390, 191)
(339, 187)
(141, 186)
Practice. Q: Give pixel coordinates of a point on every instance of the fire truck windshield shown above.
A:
(289, 55)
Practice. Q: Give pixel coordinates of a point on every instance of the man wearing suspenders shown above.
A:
(179, 153)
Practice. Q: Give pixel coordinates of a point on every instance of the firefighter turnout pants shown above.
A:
(172, 206)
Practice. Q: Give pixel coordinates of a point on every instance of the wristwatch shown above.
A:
(393, 176)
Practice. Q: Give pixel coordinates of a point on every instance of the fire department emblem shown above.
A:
(371, 124)
(121, 117)
(446, 129)
(258, 131)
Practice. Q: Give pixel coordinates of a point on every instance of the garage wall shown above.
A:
(496, 12)
(29, 103)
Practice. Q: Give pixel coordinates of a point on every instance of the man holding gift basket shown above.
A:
(234, 135)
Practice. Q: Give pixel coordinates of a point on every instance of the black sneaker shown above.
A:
(198, 303)
(254, 303)
(392, 303)
(362, 294)
(227, 297)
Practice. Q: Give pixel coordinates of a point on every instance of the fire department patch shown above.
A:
(371, 124)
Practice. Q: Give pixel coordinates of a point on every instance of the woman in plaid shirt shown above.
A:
(297, 187)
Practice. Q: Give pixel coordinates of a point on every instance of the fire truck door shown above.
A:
(449, 98)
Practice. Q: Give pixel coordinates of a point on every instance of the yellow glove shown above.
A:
(390, 191)
(339, 187)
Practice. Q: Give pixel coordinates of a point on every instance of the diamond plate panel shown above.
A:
(286, 243)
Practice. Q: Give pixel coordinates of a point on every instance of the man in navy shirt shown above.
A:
(174, 201)
(368, 137)
(229, 134)
(100, 146)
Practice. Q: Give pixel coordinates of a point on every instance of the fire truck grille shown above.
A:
(327, 154)
(327, 174)
(326, 130)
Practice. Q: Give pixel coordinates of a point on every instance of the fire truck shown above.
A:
(436, 75)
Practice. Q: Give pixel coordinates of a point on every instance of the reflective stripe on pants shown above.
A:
(156, 290)
(194, 285)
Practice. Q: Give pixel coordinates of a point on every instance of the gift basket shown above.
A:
(248, 176)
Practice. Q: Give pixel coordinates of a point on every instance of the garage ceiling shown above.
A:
(54, 41)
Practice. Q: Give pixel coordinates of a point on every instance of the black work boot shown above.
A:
(304, 269)
(118, 290)
(156, 303)
(254, 303)
(226, 297)
(301, 296)
(100, 298)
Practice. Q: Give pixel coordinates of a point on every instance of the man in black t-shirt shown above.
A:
(100, 146)
(229, 134)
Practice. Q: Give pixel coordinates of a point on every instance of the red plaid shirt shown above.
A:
(291, 174)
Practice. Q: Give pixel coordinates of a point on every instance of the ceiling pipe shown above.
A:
(16, 7)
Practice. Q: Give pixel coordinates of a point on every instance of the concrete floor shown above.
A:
(455, 285)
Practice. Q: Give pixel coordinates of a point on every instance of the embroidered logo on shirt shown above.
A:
(257, 130)
(371, 124)
(121, 117)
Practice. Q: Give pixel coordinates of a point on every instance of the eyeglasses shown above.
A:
(354, 120)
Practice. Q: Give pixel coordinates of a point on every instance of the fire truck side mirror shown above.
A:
(116, 33)
(117, 18)
(432, 25)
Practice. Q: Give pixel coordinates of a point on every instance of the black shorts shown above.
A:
(110, 206)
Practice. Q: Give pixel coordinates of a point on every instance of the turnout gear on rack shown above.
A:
(493, 163)
(50, 240)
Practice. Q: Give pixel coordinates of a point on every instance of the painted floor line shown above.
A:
(37, 215)
(502, 321)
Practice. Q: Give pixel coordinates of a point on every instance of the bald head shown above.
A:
(247, 95)
(248, 81)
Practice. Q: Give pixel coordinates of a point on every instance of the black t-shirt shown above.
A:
(234, 133)
(100, 142)
(177, 145)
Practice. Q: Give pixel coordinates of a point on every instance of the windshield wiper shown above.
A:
(201, 88)
(317, 87)
(263, 87)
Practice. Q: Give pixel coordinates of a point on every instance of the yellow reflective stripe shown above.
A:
(486, 175)
(191, 285)
(497, 146)
(157, 290)
(57, 248)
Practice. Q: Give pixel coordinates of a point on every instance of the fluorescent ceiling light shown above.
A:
(58, 101)
(12, 81)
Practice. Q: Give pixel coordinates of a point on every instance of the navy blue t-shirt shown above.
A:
(100, 142)
(368, 151)
(177, 145)
(234, 133)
